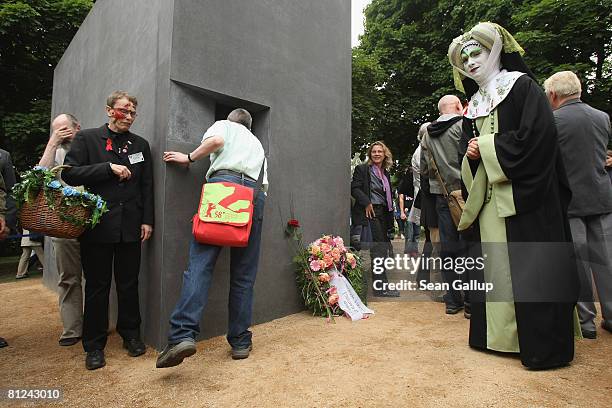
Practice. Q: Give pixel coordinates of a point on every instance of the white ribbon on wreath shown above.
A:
(348, 300)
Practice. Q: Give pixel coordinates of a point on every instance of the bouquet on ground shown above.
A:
(329, 276)
(48, 207)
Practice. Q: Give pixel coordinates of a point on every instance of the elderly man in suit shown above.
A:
(116, 164)
(584, 133)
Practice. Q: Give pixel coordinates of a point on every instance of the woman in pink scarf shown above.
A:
(373, 208)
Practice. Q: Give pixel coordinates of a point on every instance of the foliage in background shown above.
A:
(26, 133)
(367, 77)
(408, 41)
(33, 37)
(400, 69)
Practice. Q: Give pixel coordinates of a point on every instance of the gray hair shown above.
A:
(564, 83)
(116, 95)
(241, 116)
(74, 122)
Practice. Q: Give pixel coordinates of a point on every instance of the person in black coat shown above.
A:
(4, 230)
(371, 189)
(510, 153)
(8, 172)
(116, 164)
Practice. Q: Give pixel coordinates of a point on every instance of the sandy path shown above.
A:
(409, 354)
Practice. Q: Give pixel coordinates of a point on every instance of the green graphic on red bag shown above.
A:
(226, 203)
(225, 215)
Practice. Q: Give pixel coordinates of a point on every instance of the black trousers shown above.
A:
(380, 240)
(451, 246)
(99, 261)
(423, 272)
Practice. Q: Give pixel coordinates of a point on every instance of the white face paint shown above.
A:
(475, 57)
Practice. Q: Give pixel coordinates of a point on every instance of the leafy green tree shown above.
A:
(409, 40)
(367, 100)
(26, 133)
(573, 35)
(33, 37)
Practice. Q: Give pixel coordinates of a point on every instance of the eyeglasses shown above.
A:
(126, 112)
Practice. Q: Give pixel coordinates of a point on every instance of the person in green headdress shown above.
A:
(516, 193)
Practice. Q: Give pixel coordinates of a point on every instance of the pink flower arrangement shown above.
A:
(316, 263)
(329, 252)
(324, 277)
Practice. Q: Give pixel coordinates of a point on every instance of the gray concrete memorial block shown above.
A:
(190, 62)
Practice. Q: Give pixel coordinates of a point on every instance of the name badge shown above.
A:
(136, 158)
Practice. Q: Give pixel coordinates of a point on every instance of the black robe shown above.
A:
(544, 279)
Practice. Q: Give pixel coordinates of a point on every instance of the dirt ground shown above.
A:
(410, 354)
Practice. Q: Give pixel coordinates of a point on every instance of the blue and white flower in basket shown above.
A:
(37, 193)
(54, 184)
(70, 191)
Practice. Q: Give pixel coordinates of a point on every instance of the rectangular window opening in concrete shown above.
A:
(195, 109)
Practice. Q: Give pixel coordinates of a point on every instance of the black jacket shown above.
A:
(130, 202)
(407, 189)
(360, 190)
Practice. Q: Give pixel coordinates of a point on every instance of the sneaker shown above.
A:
(69, 341)
(241, 353)
(95, 360)
(25, 275)
(450, 309)
(174, 354)
(3, 342)
(589, 334)
(606, 326)
(135, 347)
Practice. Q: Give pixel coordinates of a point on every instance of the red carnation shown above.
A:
(293, 223)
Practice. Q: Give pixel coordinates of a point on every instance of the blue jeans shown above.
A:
(411, 232)
(185, 319)
(450, 247)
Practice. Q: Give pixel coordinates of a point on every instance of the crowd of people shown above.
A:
(526, 167)
(116, 164)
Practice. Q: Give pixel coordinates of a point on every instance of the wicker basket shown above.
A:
(37, 216)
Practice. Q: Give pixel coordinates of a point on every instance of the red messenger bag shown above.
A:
(225, 213)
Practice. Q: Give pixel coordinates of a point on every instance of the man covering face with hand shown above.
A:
(67, 251)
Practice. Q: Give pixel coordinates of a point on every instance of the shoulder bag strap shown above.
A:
(432, 162)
